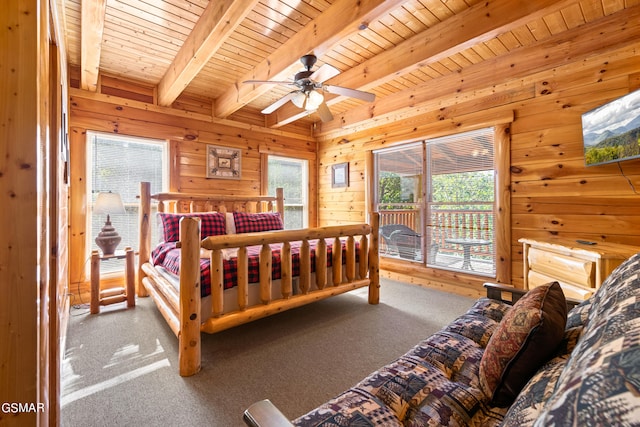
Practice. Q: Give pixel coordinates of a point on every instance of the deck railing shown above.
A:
(473, 222)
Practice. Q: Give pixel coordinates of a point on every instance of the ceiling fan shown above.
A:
(308, 94)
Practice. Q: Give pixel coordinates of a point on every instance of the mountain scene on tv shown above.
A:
(612, 132)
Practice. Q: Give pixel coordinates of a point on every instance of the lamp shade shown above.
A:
(109, 203)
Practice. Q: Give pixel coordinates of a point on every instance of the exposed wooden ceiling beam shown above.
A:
(479, 23)
(61, 23)
(339, 21)
(217, 22)
(92, 25)
(585, 40)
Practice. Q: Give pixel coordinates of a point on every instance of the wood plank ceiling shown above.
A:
(394, 49)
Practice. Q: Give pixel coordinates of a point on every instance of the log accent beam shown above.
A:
(570, 46)
(92, 28)
(441, 41)
(341, 19)
(217, 23)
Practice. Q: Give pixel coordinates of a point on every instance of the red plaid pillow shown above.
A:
(211, 224)
(254, 222)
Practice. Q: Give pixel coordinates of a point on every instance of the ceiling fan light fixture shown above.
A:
(298, 99)
(310, 101)
(314, 99)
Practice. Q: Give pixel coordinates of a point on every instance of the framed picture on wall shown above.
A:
(340, 175)
(223, 162)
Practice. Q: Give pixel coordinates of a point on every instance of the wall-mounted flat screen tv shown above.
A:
(611, 132)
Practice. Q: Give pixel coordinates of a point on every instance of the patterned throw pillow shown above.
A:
(247, 222)
(526, 338)
(211, 224)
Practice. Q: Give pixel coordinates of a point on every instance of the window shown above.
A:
(437, 202)
(401, 201)
(118, 164)
(292, 175)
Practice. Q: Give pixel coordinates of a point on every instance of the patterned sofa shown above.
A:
(502, 364)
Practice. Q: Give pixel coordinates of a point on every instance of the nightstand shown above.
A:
(113, 295)
(579, 268)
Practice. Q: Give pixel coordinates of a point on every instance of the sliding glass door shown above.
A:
(437, 202)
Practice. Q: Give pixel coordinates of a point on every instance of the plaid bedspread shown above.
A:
(168, 256)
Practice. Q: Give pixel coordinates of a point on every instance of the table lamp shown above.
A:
(108, 203)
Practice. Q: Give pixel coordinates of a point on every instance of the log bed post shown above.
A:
(374, 261)
(305, 267)
(144, 245)
(189, 336)
(336, 261)
(243, 278)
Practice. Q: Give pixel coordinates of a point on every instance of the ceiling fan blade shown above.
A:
(325, 72)
(324, 112)
(279, 103)
(352, 93)
(272, 82)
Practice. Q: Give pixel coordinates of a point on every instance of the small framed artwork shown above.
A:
(340, 175)
(223, 162)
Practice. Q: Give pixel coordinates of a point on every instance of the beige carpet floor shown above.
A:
(121, 366)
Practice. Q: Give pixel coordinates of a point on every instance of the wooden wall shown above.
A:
(32, 277)
(58, 218)
(552, 192)
(543, 89)
(189, 127)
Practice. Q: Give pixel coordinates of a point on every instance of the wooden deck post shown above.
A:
(189, 336)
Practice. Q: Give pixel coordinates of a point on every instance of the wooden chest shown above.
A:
(579, 268)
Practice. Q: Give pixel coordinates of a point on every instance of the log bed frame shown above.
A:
(182, 310)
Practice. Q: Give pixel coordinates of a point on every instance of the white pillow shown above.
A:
(230, 223)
